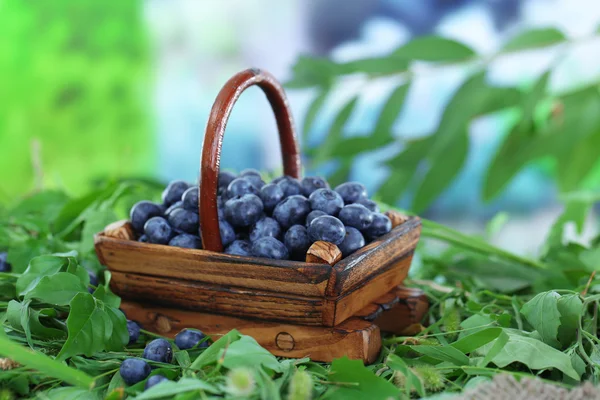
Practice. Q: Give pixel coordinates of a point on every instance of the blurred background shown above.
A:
(94, 90)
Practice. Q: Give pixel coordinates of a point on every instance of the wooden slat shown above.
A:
(217, 268)
(370, 312)
(233, 301)
(407, 314)
(355, 338)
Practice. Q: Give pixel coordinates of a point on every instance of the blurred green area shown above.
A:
(74, 92)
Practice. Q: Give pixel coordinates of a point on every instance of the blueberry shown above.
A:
(186, 241)
(265, 227)
(173, 207)
(189, 338)
(154, 380)
(93, 279)
(353, 241)
(297, 241)
(244, 210)
(279, 179)
(292, 211)
(239, 248)
(351, 192)
(290, 186)
(184, 220)
(173, 192)
(370, 204)
(253, 176)
(158, 230)
(134, 331)
(328, 229)
(220, 207)
(312, 215)
(143, 239)
(240, 187)
(312, 183)
(4, 265)
(269, 247)
(356, 216)
(158, 350)
(226, 231)
(271, 195)
(134, 370)
(225, 178)
(326, 200)
(380, 226)
(190, 199)
(142, 212)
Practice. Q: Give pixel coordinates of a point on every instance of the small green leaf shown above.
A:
(323, 152)
(391, 110)
(38, 268)
(542, 313)
(58, 289)
(570, 307)
(475, 340)
(434, 48)
(169, 389)
(443, 353)
(246, 352)
(533, 39)
(312, 112)
(70, 393)
(360, 382)
(494, 350)
(213, 354)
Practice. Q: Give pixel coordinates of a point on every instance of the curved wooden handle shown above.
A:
(213, 139)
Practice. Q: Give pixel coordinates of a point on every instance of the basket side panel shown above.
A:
(221, 300)
(221, 269)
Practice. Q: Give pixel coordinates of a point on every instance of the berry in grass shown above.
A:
(290, 186)
(380, 226)
(297, 242)
(134, 370)
(154, 380)
(265, 227)
(134, 331)
(141, 212)
(312, 215)
(328, 229)
(93, 282)
(190, 199)
(271, 195)
(244, 210)
(356, 216)
(158, 350)
(312, 183)
(351, 192)
(173, 192)
(239, 248)
(189, 338)
(186, 241)
(326, 200)
(269, 247)
(292, 211)
(225, 178)
(184, 220)
(226, 231)
(353, 241)
(240, 187)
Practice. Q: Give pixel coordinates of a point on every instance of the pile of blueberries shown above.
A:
(279, 220)
(134, 370)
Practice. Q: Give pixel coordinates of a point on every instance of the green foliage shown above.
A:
(561, 127)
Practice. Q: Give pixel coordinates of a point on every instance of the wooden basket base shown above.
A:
(359, 337)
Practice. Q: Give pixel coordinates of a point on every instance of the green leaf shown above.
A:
(119, 336)
(70, 393)
(361, 382)
(312, 112)
(38, 268)
(535, 354)
(443, 353)
(533, 39)
(168, 389)
(246, 352)
(494, 350)
(323, 152)
(391, 110)
(44, 364)
(434, 48)
(570, 307)
(412, 381)
(213, 353)
(475, 340)
(542, 313)
(117, 385)
(58, 289)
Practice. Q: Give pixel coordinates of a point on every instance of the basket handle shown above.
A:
(213, 140)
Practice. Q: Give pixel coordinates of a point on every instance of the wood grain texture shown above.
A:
(217, 268)
(213, 139)
(323, 253)
(396, 218)
(355, 338)
(406, 317)
(228, 300)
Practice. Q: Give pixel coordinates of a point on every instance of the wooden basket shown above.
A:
(324, 308)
